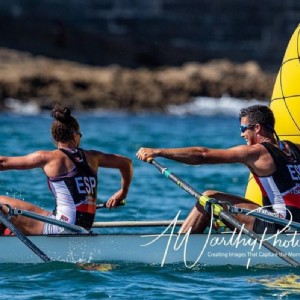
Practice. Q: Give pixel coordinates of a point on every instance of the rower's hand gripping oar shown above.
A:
(220, 212)
(103, 204)
(22, 237)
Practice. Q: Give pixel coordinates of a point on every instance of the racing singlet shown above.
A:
(75, 193)
(282, 188)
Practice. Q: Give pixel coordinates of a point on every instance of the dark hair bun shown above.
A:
(61, 113)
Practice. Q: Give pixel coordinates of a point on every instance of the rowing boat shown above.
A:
(166, 246)
(240, 247)
(76, 244)
(229, 248)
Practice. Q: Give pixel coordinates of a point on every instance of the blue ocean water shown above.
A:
(151, 197)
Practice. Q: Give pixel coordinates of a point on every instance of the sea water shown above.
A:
(151, 197)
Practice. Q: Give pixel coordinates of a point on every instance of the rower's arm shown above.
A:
(202, 155)
(124, 165)
(34, 160)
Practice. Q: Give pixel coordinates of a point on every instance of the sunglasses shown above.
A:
(245, 127)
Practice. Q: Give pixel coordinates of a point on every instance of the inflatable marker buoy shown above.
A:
(285, 103)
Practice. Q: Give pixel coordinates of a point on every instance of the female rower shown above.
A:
(72, 177)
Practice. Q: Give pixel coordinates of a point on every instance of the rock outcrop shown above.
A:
(44, 80)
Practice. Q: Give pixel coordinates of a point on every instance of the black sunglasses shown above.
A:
(245, 127)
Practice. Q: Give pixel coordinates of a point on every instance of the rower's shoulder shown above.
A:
(42, 153)
(94, 156)
(248, 154)
(249, 148)
(49, 155)
(93, 153)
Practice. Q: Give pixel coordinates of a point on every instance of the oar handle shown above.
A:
(103, 204)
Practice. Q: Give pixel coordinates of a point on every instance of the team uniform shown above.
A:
(75, 194)
(280, 190)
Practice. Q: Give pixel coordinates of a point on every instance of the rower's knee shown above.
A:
(209, 194)
(5, 203)
(6, 199)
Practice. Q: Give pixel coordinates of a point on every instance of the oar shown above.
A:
(71, 227)
(21, 236)
(103, 204)
(32, 215)
(221, 213)
(136, 224)
(265, 217)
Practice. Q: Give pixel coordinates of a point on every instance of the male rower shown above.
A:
(274, 164)
(72, 178)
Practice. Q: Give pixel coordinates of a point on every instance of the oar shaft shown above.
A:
(269, 218)
(22, 237)
(38, 217)
(135, 224)
(181, 183)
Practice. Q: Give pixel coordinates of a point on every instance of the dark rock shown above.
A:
(45, 81)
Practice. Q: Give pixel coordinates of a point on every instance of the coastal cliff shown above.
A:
(44, 81)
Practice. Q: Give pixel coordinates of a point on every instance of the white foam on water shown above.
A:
(213, 106)
(22, 108)
(205, 106)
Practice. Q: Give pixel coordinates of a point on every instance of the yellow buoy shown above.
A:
(285, 103)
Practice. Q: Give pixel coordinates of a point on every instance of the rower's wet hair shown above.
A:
(64, 124)
(259, 114)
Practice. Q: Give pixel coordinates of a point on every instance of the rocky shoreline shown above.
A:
(44, 81)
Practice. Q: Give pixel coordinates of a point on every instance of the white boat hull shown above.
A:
(200, 249)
